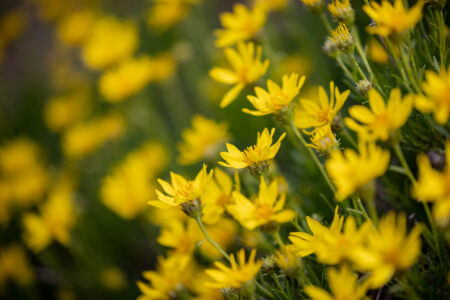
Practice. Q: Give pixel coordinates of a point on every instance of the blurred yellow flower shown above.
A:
(376, 52)
(110, 41)
(173, 275)
(246, 68)
(388, 249)
(12, 25)
(381, 120)
(265, 209)
(323, 140)
(433, 186)
(241, 25)
(203, 141)
(181, 190)
(54, 222)
(271, 5)
(112, 278)
(240, 272)
(276, 100)
(345, 169)
(181, 237)
(343, 284)
(288, 262)
(163, 66)
(15, 266)
(341, 10)
(257, 158)
(129, 187)
(84, 138)
(437, 95)
(224, 232)
(164, 14)
(74, 28)
(321, 111)
(392, 19)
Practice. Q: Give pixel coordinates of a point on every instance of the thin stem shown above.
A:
(278, 238)
(358, 216)
(277, 282)
(363, 210)
(325, 22)
(209, 239)
(442, 40)
(344, 67)
(401, 157)
(355, 64)
(405, 60)
(399, 65)
(264, 290)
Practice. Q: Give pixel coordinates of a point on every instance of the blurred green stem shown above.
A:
(398, 63)
(278, 238)
(355, 64)
(209, 239)
(277, 282)
(363, 210)
(442, 39)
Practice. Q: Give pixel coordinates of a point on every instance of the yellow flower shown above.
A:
(267, 208)
(341, 10)
(224, 232)
(342, 38)
(85, 138)
(12, 25)
(56, 219)
(112, 278)
(110, 41)
(276, 99)
(437, 95)
(173, 274)
(202, 141)
(180, 237)
(323, 140)
(257, 158)
(376, 52)
(380, 120)
(388, 249)
(345, 168)
(272, 5)
(315, 113)
(343, 284)
(392, 19)
(240, 272)
(247, 68)
(434, 186)
(163, 66)
(181, 190)
(312, 3)
(129, 187)
(287, 261)
(304, 244)
(14, 265)
(164, 14)
(241, 25)
(74, 28)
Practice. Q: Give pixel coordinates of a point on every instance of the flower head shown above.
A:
(15, 266)
(240, 272)
(165, 14)
(246, 68)
(74, 28)
(380, 120)
(276, 99)
(315, 6)
(288, 262)
(267, 208)
(240, 25)
(437, 95)
(321, 111)
(345, 168)
(342, 11)
(343, 38)
(202, 141)
(323, 140)
(392, 19)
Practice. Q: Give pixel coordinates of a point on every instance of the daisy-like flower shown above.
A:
(343, 285)
(323, 140)
(185, 193)
(388, 249)
(434, 186)
(342, 11)
(343, 38)
(266, 209)
(276, 100)
(437, 95)
(392, 19)
(315, 113)
(257, 158)
(345, 168)
(246, 68)
(241, 25)
(165, 14)
(380, 120)
(239, 274)
(202, 141)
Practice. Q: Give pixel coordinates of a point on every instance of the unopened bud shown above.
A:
(363, 87)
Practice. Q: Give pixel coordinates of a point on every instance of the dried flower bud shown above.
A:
(363, 87)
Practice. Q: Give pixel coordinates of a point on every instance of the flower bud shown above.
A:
(363, 87)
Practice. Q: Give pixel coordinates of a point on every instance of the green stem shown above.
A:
(399, 65)
(325, 22)
(358, 216)
(401, 157)
(405, 60)
(363, 210)
(344, 67)
(209, 239)
(355, 64)
(442, 39)
(264, 290)
(278, 238)
(277, 282)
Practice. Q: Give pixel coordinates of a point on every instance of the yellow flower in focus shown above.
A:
(129, 187)
(343, 284)
(381, 120)
(165, 14)
(315, 113)
(112, 278)
(343, 38)
(341, 10)
(267, 208)
(323, 140)
(56, 219)
(246, 68)
(110, 41)
(181, 190)
(276, 100)
(74, 28)
(203, 141)
(434, 186)
(126, 79)
(173, 274)
(85, 138)
(345, 168)
(437, 95)
(240, 272)
(376, 52)
(388, 249)
(392, 19)
(257, 158)
(15, 266)
(241, 25)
